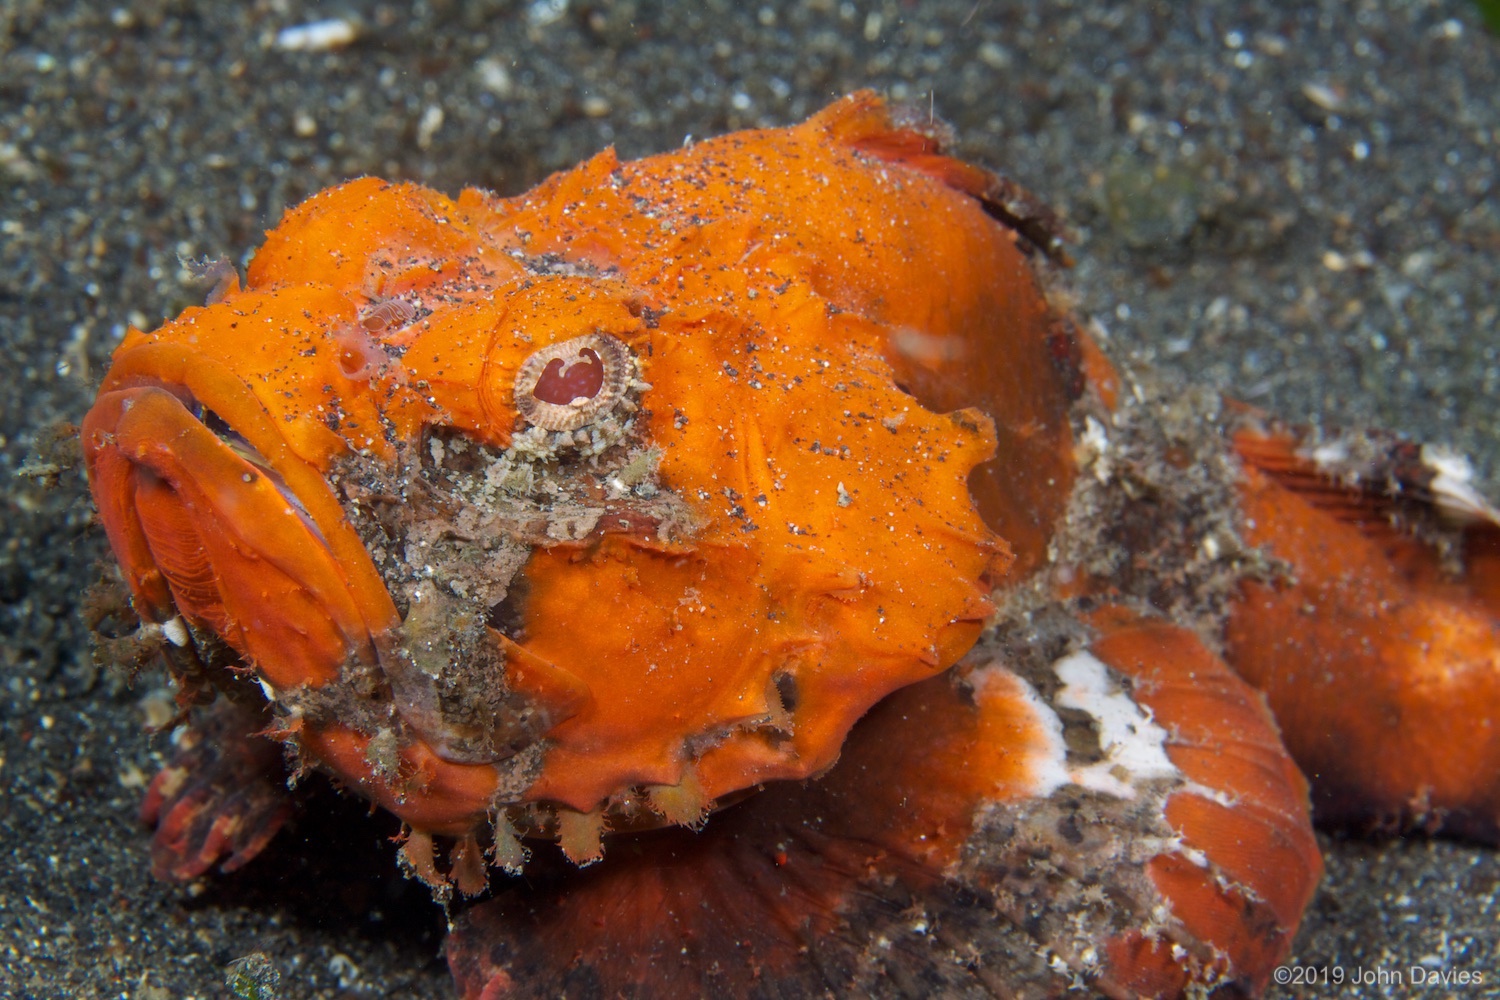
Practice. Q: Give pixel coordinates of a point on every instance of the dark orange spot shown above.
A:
(582, 379)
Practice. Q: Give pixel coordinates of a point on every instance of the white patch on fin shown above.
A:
(1134, 746)
(1215, 795)
(1048, 759)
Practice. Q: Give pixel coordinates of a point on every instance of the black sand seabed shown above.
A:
(1296, 202)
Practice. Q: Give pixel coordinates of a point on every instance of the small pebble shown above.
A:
(318, 36)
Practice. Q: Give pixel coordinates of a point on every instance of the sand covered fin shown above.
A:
(915, 138)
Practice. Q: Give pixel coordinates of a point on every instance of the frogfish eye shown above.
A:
(573, 382)
(581, 380)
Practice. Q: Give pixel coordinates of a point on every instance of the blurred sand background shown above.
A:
(1294, 201)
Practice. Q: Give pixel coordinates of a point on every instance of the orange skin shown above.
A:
(1223, 738)
(774, 387)
(796, 865)
(863, 404)
(1378, 661)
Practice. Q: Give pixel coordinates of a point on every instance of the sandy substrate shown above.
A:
(1296, 202)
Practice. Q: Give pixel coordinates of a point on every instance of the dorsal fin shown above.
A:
(916, 139)
(1417, 502)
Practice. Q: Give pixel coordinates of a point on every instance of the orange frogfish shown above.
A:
(750, 521)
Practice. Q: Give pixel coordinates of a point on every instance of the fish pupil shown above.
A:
(561, 385)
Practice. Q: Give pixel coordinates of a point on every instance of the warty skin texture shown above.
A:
(841, 457)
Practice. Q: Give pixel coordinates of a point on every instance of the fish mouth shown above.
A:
(231, 565)
(207, 528)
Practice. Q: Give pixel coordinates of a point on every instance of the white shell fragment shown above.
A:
(175, 632)
(1453, 491)
(318, 36)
